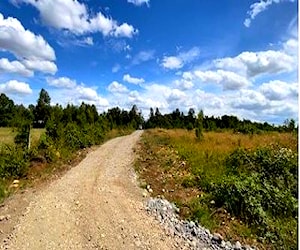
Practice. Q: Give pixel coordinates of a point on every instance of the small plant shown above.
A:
(199, 126)
(22, 139)
(13, 162)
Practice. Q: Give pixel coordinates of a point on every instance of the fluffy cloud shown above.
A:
(139, 2)
(263, 106)
(273, 101)
(177, 62)
(250, 100)
(124, 30)
(73, 16)
(62, 82)
(76, 93)
(291, 47)
(32, 51)
(15, 67)
(172, 62)
(176, 95)
(229, 80)
(184, 84)
(86, 93)
(116, 87)
(16, 88)
(40, 65)
(210, 101)
(259, 63)
(23, 43)
(258, 7)
(133, 80)
(90, 96)
(279, 90)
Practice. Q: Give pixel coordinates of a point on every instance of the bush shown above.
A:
(261, 188)
(13, 162)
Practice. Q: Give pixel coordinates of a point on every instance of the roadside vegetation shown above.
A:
(241, 185)
(41, 139)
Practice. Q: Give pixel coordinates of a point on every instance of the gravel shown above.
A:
(194, 235)
(95, 205)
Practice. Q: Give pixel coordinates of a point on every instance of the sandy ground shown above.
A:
(95, 205)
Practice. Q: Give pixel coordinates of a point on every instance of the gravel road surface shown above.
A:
(95, 205)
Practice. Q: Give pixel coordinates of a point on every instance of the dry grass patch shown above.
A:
(183, 170)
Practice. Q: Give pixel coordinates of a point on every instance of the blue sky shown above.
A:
(235, 57)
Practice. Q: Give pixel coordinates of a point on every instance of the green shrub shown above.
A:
(13, 162)
(22, 137)
(261, 187)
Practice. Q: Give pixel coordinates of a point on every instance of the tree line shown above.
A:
(177, 119)
(43, 115)
(39, 115)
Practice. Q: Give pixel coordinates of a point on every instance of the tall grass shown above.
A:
(244, 174)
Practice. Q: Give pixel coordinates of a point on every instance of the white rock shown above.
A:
(237, 245)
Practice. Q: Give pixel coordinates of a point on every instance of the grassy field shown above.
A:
(7, 135)
(190, 173)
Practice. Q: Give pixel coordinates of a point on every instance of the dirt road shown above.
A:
(95, 205)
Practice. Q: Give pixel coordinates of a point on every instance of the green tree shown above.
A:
(199, 125)
(42, 109)
(22, 139)
(7, 108)
(290, 125)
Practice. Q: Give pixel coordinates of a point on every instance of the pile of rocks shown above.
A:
(194, 236)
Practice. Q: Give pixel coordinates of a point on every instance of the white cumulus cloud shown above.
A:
(116, 87)
(41, 65)
(14, 67)
(32, 51)
(23, 43)
(16, 88)
(76, 93)
(178, 61)
(229, 80)
(62, 82)
(73, 16)
(259, 63)
(172, 62)
(278, 90)
(176, 95)
(250, 100)
(133, 80)
(184, 84)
